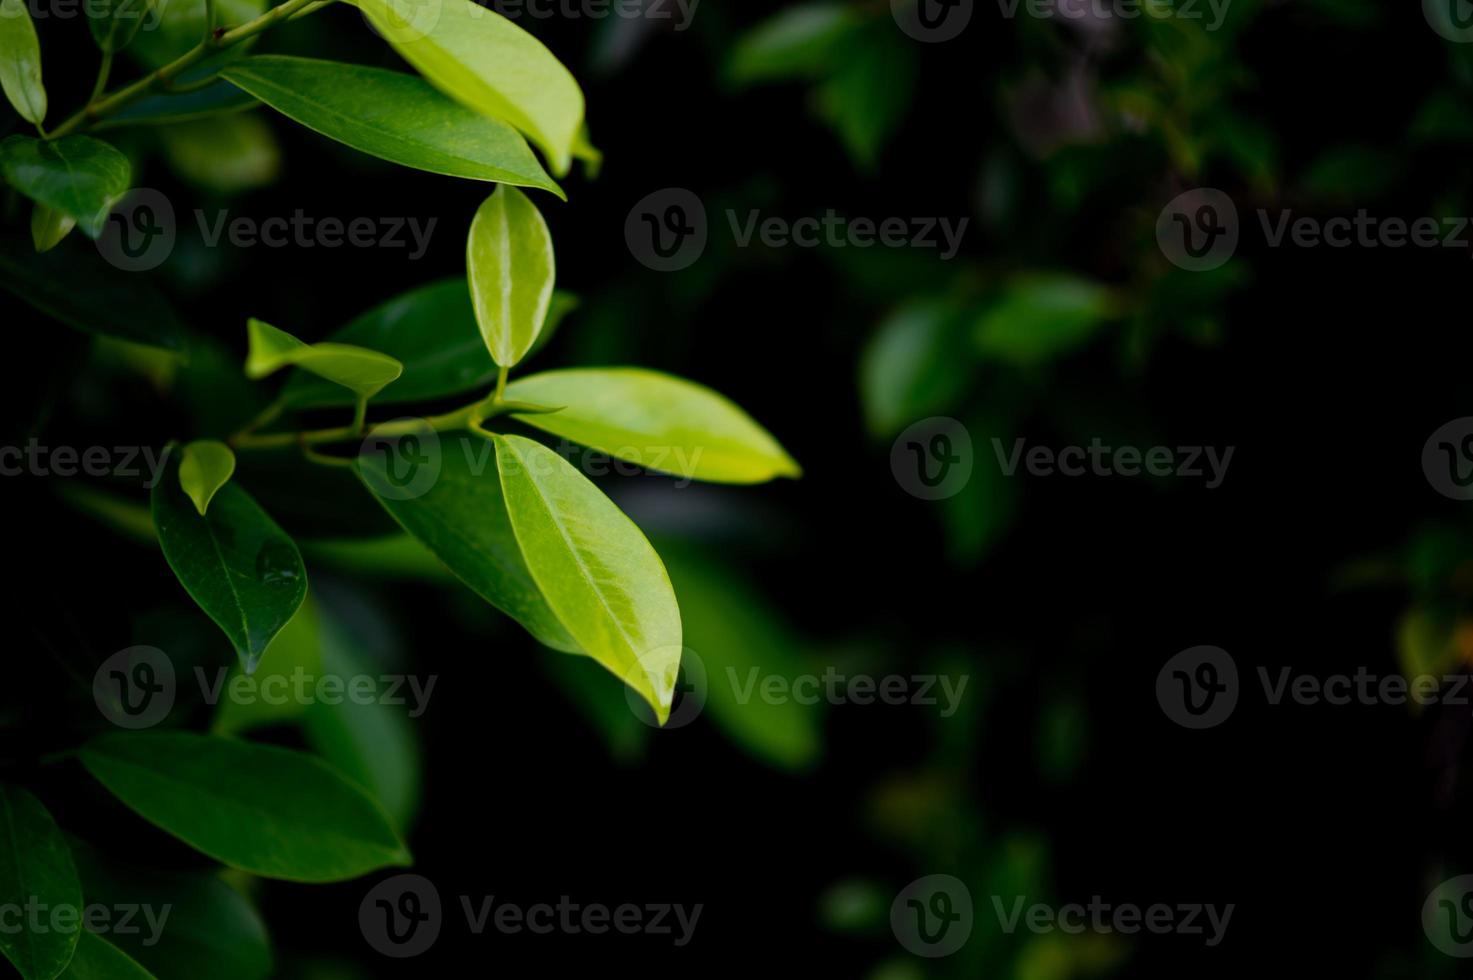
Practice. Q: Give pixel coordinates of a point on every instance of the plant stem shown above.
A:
(103, 71)
(501, 374)
(100, 108)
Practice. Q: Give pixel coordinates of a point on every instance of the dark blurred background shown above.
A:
(1060, 777)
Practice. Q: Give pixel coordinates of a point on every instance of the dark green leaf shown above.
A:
(392, 115)
(35, 866)
(204, 103)
(236, 563)
(79, 176)
(267, 810)
(98, 959)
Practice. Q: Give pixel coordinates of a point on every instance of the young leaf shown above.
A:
(362, 371)
(595, 568)
(432, 331)
(394, 116)
(212, 929)
(98, 959)
(75, 286)
(20, 61)
(49, 227)
(35, 866)
(462, 519)
(270, 811)
(79, 176)
(481, 59)
(510, 263)
(206, 466)
(655, 420)
(241, 569)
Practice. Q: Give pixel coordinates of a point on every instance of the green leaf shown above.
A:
(75, 286)
(913, 367)
(114, 23)
(432, 331)
(394, 116)
(870, 90)
(738, 636)
(212, 929)
(241, 569)
(206, 466)
(358, 369)
(481, 59)
(372, 743)
(1039, 318)
(77, 175)
(798, 42)
(20, 61)
(204, 103)
(462, 519)
(98, 959)
(658, 421)
(595, 568)
(178, 25)
(35, 866)
(227, 154)
(510, 263)
(271, 811)
(49, 227)
(298, 647)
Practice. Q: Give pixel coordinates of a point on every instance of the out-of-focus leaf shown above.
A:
(224, 153)
(604, 705)
(1351, 174)
(655, 420)
(271, 700)
(1040, 318)
(741, 639)
(916, 365)
(510, 262)
(364, 372)
(211, 929)
(392, 115)
(176, 26)
(596, 570)
(235, 562)
(462, 519)
(20, 61)
(114, 23)
(35, 866)
(392, 556)
(204, 467)
(481, 59)
(870, 90)
(798, 42)
(267, 810)
(79, 176)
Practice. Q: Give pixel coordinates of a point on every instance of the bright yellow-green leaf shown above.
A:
(49, 227)
(358, 368)
(510, 263)
(20, 61)
(657, 421)
(594, 567)
(206, 465)
(479, 58)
